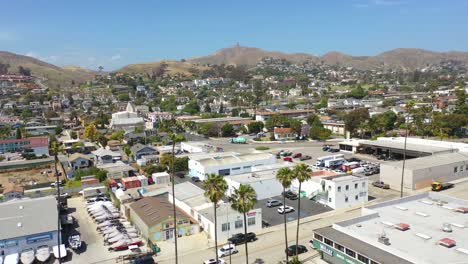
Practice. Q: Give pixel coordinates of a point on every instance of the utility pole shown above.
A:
(404, 156)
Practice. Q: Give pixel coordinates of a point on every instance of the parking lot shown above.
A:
(308, 208)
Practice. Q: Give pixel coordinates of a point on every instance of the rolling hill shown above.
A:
(173, 67)
(408, 59)
(55, 75)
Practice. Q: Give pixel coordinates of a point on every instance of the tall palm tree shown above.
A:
(285, 176)
(243, 200)
(175, 138)
(215, 186)
(55, 149)
(302, 173)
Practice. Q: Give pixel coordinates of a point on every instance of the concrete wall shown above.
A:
(20, 243)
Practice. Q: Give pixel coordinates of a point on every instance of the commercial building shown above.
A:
(28, 223)
(153, 216)
(264, 182)
(336, 127)
(195, 147)
(393, 147)
(426, 228)
(420, 172)
(228, 164)
(334, 190)
(34, 145)
(293, 113)
(190, 199)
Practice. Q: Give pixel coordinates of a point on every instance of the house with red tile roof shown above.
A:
(284, 133)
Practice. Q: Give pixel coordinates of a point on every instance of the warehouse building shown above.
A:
(20, 227)
(425, 228)
(228, 164)
(420, 172)
(394, 147)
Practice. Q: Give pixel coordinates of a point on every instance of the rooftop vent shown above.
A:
(401, 208)
(446, 227)
(402, 226)
(19, 224)
(463, 210)
(458, 225)
(384, 239)
(422, 214)
(21, 207)
(423, 236)
(427, 202)
(447, 242)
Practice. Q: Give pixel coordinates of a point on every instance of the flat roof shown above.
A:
(430, 161)
(223, 209)
(233, 159)
(409, 146)
(20, 217)
(425, 214)
(221, 119)
(257, 175)
(187, 190)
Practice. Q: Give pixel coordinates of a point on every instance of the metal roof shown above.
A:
(430, 161)
(23, 217)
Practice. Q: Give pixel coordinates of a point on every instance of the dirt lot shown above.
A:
(28, 176)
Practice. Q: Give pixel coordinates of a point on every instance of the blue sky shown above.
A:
(115, 33)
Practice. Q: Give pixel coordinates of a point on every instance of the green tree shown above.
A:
(90, 131)
(207, 107)
(192, 107)
(355, 118)
(235, 112)
(215, 186)
(314, 120)
(227, 130)
(243, 199)
(209, 129)
(117, 135)
(123, 97)
(319, 133)
(357, 92)
(302, 173)
(461, 104)
(255, 127)
(18, 133)
(285, 177)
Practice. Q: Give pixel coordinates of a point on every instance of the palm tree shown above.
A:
(175, 138)
(302, 173)
(285, 176)
(243, 200)
(55, 149)
(215, 186)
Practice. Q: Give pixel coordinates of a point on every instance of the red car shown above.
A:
(297, 155)
(288, 159)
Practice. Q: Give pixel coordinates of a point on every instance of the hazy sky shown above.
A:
(115, 33)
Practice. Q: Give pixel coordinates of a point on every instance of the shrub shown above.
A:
(262, 148)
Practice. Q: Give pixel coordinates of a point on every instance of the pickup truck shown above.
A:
(240, 238)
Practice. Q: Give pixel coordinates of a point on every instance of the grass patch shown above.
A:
(73, 184)
(262, 148)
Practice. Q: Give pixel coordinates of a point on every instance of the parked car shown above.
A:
(273, 203)
(213, 261)
(54, 184)
(240, 238)
(284, 209)
(285, 153)
(306, 157)
(297, 155)
(290, 195)
(326, 148)
(180, 174)
(291, 250)
(288, 159)
(227, 250)
(381, 184)
(196, 179)
(334, 150)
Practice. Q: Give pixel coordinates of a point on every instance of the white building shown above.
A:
(28, 223)
(420, 172)
(264, 182)
(337, 191)
(228, 164)
(127, 120)
(190, 199)
(195, 147)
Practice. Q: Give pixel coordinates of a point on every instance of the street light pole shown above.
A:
(404, 156)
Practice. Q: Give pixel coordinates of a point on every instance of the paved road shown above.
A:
(270, 246)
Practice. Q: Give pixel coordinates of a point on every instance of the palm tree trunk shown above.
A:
(173, 202)
(245, 237)
(298, 217)
(285, 226)
(58, 208)
(216, 233)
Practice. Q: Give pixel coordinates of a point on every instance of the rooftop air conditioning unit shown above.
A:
(384, 239)
(446, 227)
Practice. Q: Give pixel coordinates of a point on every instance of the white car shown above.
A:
(227, 250)
(213, 261)
(285, 209)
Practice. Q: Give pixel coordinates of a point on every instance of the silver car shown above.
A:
(273, 203)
